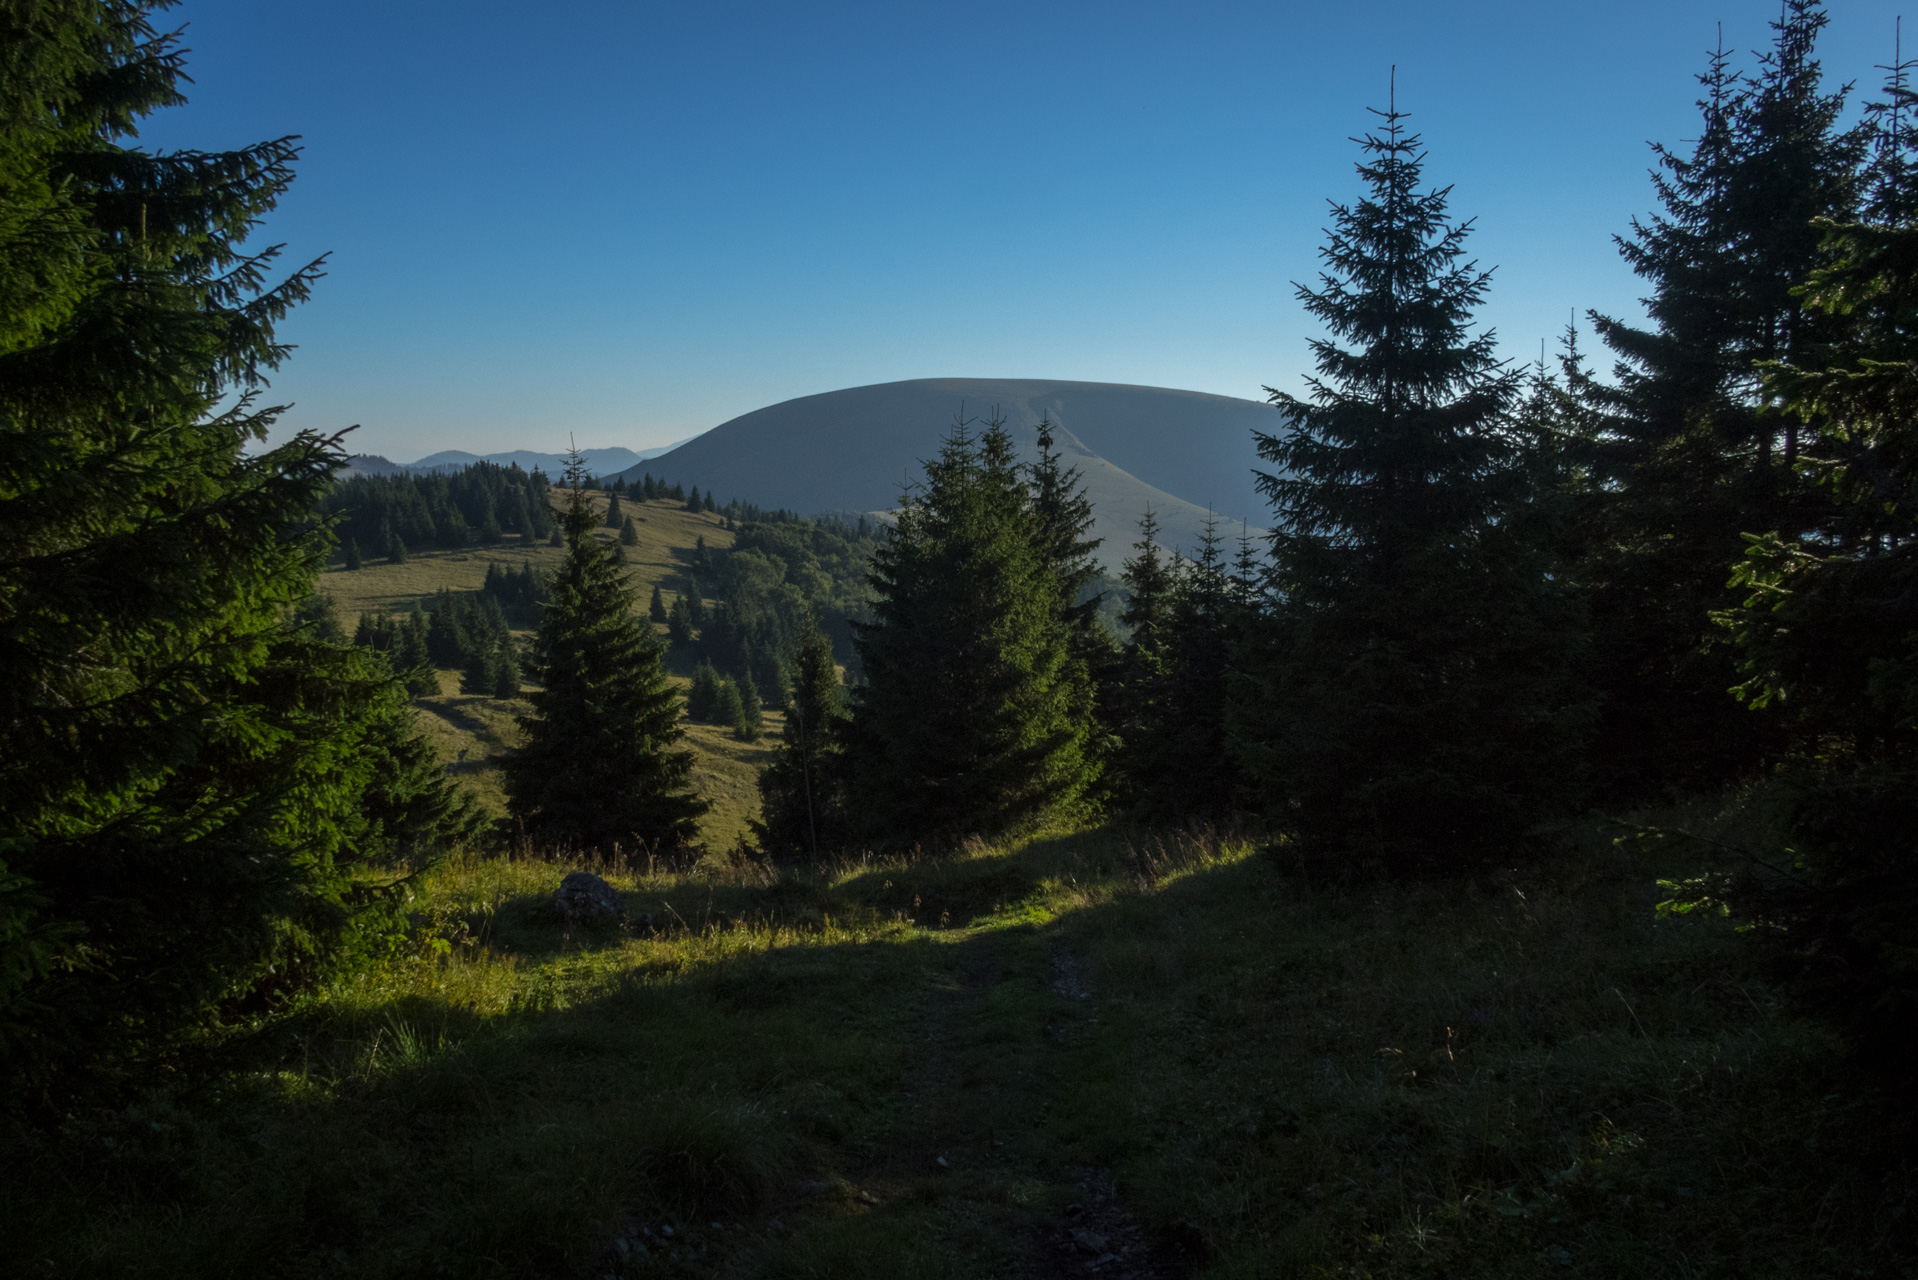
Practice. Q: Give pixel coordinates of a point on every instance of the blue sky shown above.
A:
(628, 222)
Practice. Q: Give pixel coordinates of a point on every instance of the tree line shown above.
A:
(387, 516)
(1493, 598)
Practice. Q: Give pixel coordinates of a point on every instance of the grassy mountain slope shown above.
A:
(472, 732)
(1179, 452)
(1095, 1054)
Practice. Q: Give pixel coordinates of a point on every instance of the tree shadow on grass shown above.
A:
(866, 1098)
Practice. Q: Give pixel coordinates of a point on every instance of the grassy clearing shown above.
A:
(473, 732)
(667, 533)
(1167, 1044)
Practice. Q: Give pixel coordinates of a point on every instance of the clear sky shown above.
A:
(632, 221)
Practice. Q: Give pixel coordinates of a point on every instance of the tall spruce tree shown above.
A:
(970, 720)
(1694, 453)
(1064, 517)
(1406, 701)
(600, 763)
(1827, 641)
(201, 797)
(802, 792)
(1129, 706)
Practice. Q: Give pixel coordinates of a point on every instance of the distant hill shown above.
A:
(598, 461)
(1178, 452)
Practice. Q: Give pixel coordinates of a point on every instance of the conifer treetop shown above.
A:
(1398, 437)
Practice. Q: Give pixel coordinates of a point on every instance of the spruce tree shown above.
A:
(1827, 640)
(1889, 185)
(628, 533)
(692, 499)
(702, 699)
(395, 549)
(728, 707)
(656, 609)
(1148, 581)
(970, 721)
(1248, 575)
(752, 712)
(1064, 517)
(481, 674)
(1130, 707)
(1178, 765)
(194, 816)
(352, 555)
(506, 672)
(802, 792)
(414, 661)
(615, 518)
(1693, 455)
(679, 623)
(600, 763)
(1406, 703)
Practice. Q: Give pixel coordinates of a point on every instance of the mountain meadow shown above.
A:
(1492, 857)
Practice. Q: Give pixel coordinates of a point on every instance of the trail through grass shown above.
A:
(1116, 1054)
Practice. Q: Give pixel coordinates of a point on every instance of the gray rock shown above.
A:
(583, 897)
(1089, 1241)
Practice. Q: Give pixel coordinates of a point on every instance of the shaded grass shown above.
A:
(900, 1068)
(1497, 1078)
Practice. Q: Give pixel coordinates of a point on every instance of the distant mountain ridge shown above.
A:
(598, 461)
(1181, 453)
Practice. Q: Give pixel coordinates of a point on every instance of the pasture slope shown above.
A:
(472, 732)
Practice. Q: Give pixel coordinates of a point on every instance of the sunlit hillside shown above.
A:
(471, 732)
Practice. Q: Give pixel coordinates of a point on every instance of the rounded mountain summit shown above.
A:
(1181, 453)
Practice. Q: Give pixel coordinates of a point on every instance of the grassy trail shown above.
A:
(1110, 1053)
(970, 1166)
